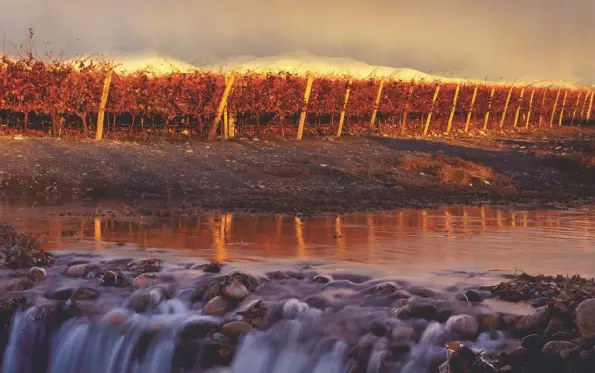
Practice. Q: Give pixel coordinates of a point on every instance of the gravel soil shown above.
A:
(315, 176)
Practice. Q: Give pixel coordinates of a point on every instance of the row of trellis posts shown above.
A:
(228, 129)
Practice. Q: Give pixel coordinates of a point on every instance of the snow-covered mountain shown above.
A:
(299, 62)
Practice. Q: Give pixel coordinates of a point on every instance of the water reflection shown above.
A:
(471, 238)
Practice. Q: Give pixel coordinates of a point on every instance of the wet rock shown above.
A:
(145, 280)
(37, 274)
(115, 317)
(77, 270)
(540, 302)
(200, 328)
(488, 321)
(471, 295)
(554, 349)
(217, 306)
(253, 312)
(384, 288)
(18, 250)
(235, 289)
(462, 359)
(554, 327)
(145, 266)
(464, 325)
(516, 355)
(378, 329)
(236, 286)
(318, 301)
(112, 277)
(209, 267)
(532, 342)
(322, 279)
(533, 322)
(235, 329)
(424, 308)
(85, 293)
(402, 313)
(585, 318)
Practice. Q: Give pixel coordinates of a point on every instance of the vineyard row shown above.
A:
(35, 94)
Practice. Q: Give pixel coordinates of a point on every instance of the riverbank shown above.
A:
(316, 176)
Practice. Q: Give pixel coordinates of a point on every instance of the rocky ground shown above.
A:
(384, 325)
(326, 175)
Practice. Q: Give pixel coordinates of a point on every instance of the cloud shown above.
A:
(511, 39)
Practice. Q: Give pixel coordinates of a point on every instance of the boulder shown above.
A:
(585, 318)
(464, 325)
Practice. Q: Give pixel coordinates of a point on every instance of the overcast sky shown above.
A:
(511, 39)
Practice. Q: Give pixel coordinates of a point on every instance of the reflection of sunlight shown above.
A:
(218, 233)
(299, 233)
(97, 236)
(339, 237)
(447, 223)
(482, 214)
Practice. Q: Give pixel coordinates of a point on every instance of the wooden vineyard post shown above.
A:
(554, 109)
(454, 108)
(530, 108)
(406, 110)
(506, 107)
(231, 123)
(222, 104)
(225, 124)
(583, 107)
(300, 132)
(471, 108)
(541, 109)
(562, 109)
(590, 108)
(342, 117)
(101, 112)
(376, 103)
(518, 108)
(486, 119)
(578, 100)
(429, 118)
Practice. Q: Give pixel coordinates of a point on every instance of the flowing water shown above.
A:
(446, 246)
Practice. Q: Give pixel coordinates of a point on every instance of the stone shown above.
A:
(464, 325)
(145, 280)
(235, 289)
(554, 348)
(322, 279)
(473, 295)
(217, 306)
(585, 318)
(532, 342)
(77, 270)
(424, 308)
(236, 329)
(533, 321)
(37, 274)
(378, 329)
(540, 302)
(402, 313)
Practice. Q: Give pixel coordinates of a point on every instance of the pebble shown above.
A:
(236, 290)
(145, 280)
(402, 313)
(377, 328)
(217, 306)
(77, 270)
(424, 308)
(585, 318)
(464, 325)
(533, 342)
(473, 295)
(540, 302)
(235, 329)
(322, 279)
(554, 348)
(534, 320)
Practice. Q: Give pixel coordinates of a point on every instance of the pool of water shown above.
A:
(449, 239)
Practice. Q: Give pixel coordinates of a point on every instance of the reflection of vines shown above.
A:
(33, 91)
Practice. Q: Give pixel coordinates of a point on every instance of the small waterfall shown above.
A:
(119, 342)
